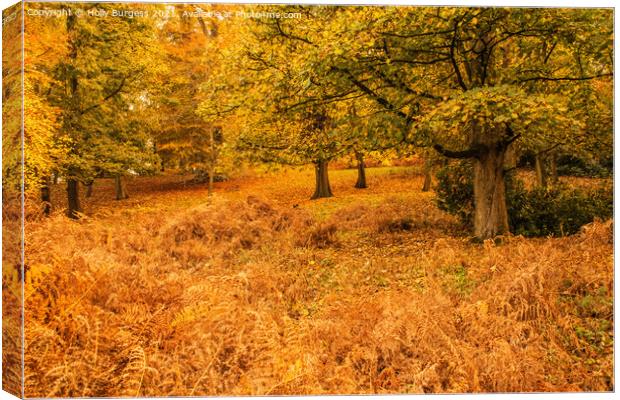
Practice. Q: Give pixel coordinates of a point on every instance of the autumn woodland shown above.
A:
(282, 199)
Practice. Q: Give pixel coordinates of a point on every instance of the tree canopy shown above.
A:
(195, 86)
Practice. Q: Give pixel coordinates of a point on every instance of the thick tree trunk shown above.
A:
(428, 175)
(323, 188)
(121, 192)
(73, 198)
(46, 196)
(491, 213)
(541, 171)
(361, 172)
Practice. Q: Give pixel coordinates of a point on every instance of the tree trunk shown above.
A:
(55, 179)
(89, 189)
(322, 181)
(541, 171)
(211, 161)
(211, 178)
(121, 193)
(510, 159)
(491, 213)
(361, 172)
(46, 196)
(73, 198)
(554, 168)
(428, 175)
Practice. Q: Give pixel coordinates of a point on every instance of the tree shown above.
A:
(523, 56)
(43, 144)
(496, 117)
(189, 104)
(11, 104)
(104, 60)
(411, 60)
(297, 138)
(371, 131)
(289, 84)
(218, 103)
(125, 142)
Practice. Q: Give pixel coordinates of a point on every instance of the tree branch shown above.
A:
(108, 97)
(414, 35)
(564, 78)
(403, 86)
(473, 152)
(375, 96)
(457, 70)
(291, 36)
(511, 137)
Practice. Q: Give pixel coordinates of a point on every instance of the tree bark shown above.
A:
(74, 107)
(73, 198)
(211, 161)
(428, 175)
(46, 196)
(89, 189)
(361, 171)
(323, 188)
(541, 171)
(490, 209)
(211, 179)
(510, 159)
(491, 212)
(121, 192)
(554, 168)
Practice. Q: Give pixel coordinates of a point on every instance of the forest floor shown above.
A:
(262, 291)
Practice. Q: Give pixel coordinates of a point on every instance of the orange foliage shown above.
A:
(264, 292)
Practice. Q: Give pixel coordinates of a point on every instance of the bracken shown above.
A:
(250, 296)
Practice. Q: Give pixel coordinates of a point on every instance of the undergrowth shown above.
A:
(248, 295)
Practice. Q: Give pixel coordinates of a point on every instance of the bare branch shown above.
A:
(564, 78)
(108, 97)
(455, 65)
